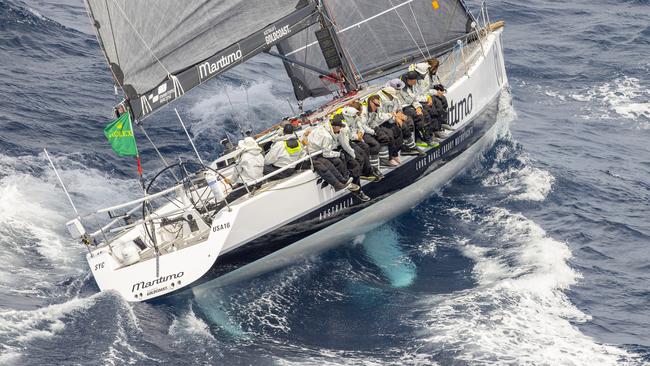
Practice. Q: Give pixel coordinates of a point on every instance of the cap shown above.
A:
(439, 87)
(396, 84)
(337, 120)
(288, 129)
(350, 111)
(390, 91)
(411, 75)
(422, 68)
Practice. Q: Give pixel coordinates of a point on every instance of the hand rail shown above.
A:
(276, 172)
(139, 200)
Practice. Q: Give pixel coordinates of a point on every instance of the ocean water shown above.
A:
(537, 255)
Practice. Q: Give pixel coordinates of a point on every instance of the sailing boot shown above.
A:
(361, 196)
(410, 148)
(384, 156)
(375, 165)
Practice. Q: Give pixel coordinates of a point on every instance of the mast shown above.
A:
(333, 52)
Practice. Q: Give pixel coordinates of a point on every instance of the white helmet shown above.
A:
(350, 111)
(390, 91)
(422, 68)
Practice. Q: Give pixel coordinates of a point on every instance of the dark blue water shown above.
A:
(536, 255)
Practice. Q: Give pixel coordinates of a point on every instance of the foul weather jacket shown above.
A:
(281, 154)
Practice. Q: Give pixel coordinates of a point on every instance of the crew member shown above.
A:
(411, 106)
(442, 108)
(285, 151)
(366, 147)
(374, 115)
(249, 164)
(332, 165)
(403, 121)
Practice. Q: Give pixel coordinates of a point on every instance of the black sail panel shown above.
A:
(306, 83)
(380, 35)
(159, 49)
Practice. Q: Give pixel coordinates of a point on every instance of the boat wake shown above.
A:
(514, 174)
(519, 311)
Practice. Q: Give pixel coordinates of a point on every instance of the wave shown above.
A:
(623, 97)
(41, 258)
(240, 108)
(513, 173)
(519, 311)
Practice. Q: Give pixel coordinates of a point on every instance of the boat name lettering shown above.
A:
(335, 209)
(162, 279)
(156, 290)
(445, 148)
(458, 111)
(273, 34)
(216, 63)
(99, 266)
(219, 227)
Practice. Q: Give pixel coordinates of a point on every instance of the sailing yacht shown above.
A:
(188, 232)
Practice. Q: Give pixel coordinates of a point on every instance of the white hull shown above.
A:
(300, 197)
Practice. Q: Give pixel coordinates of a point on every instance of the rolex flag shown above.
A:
(120, 134)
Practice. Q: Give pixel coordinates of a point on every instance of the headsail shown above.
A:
(159, 49)
(378, 36)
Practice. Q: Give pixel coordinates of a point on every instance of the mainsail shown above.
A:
(377, 36)
(159, 49)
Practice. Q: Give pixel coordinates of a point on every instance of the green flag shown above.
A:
(120, 134)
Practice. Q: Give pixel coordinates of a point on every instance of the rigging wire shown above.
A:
(232, 112)
(407, 29)
(141, 38)
(162, 158)
(420, 30)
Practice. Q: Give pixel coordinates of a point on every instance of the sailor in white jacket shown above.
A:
(286, 150)
(363, 138)
(412, 107)
(332, 165)
(356, 133)
(249, 164)
(403, 127)
(378, 114)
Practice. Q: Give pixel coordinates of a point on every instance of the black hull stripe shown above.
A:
(321, 217)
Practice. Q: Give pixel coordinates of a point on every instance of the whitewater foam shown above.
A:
(513, 173)
(33, 212)
(625, 96)
(254, 106)
(17, 327)
(519, 312)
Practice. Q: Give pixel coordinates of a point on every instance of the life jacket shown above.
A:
(292, 146)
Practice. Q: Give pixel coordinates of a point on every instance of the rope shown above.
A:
(456, 59)
(407, 29)
(156, 148)
(420, 30)
(232, 111)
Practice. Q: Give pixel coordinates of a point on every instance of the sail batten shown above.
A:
(159, 49)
